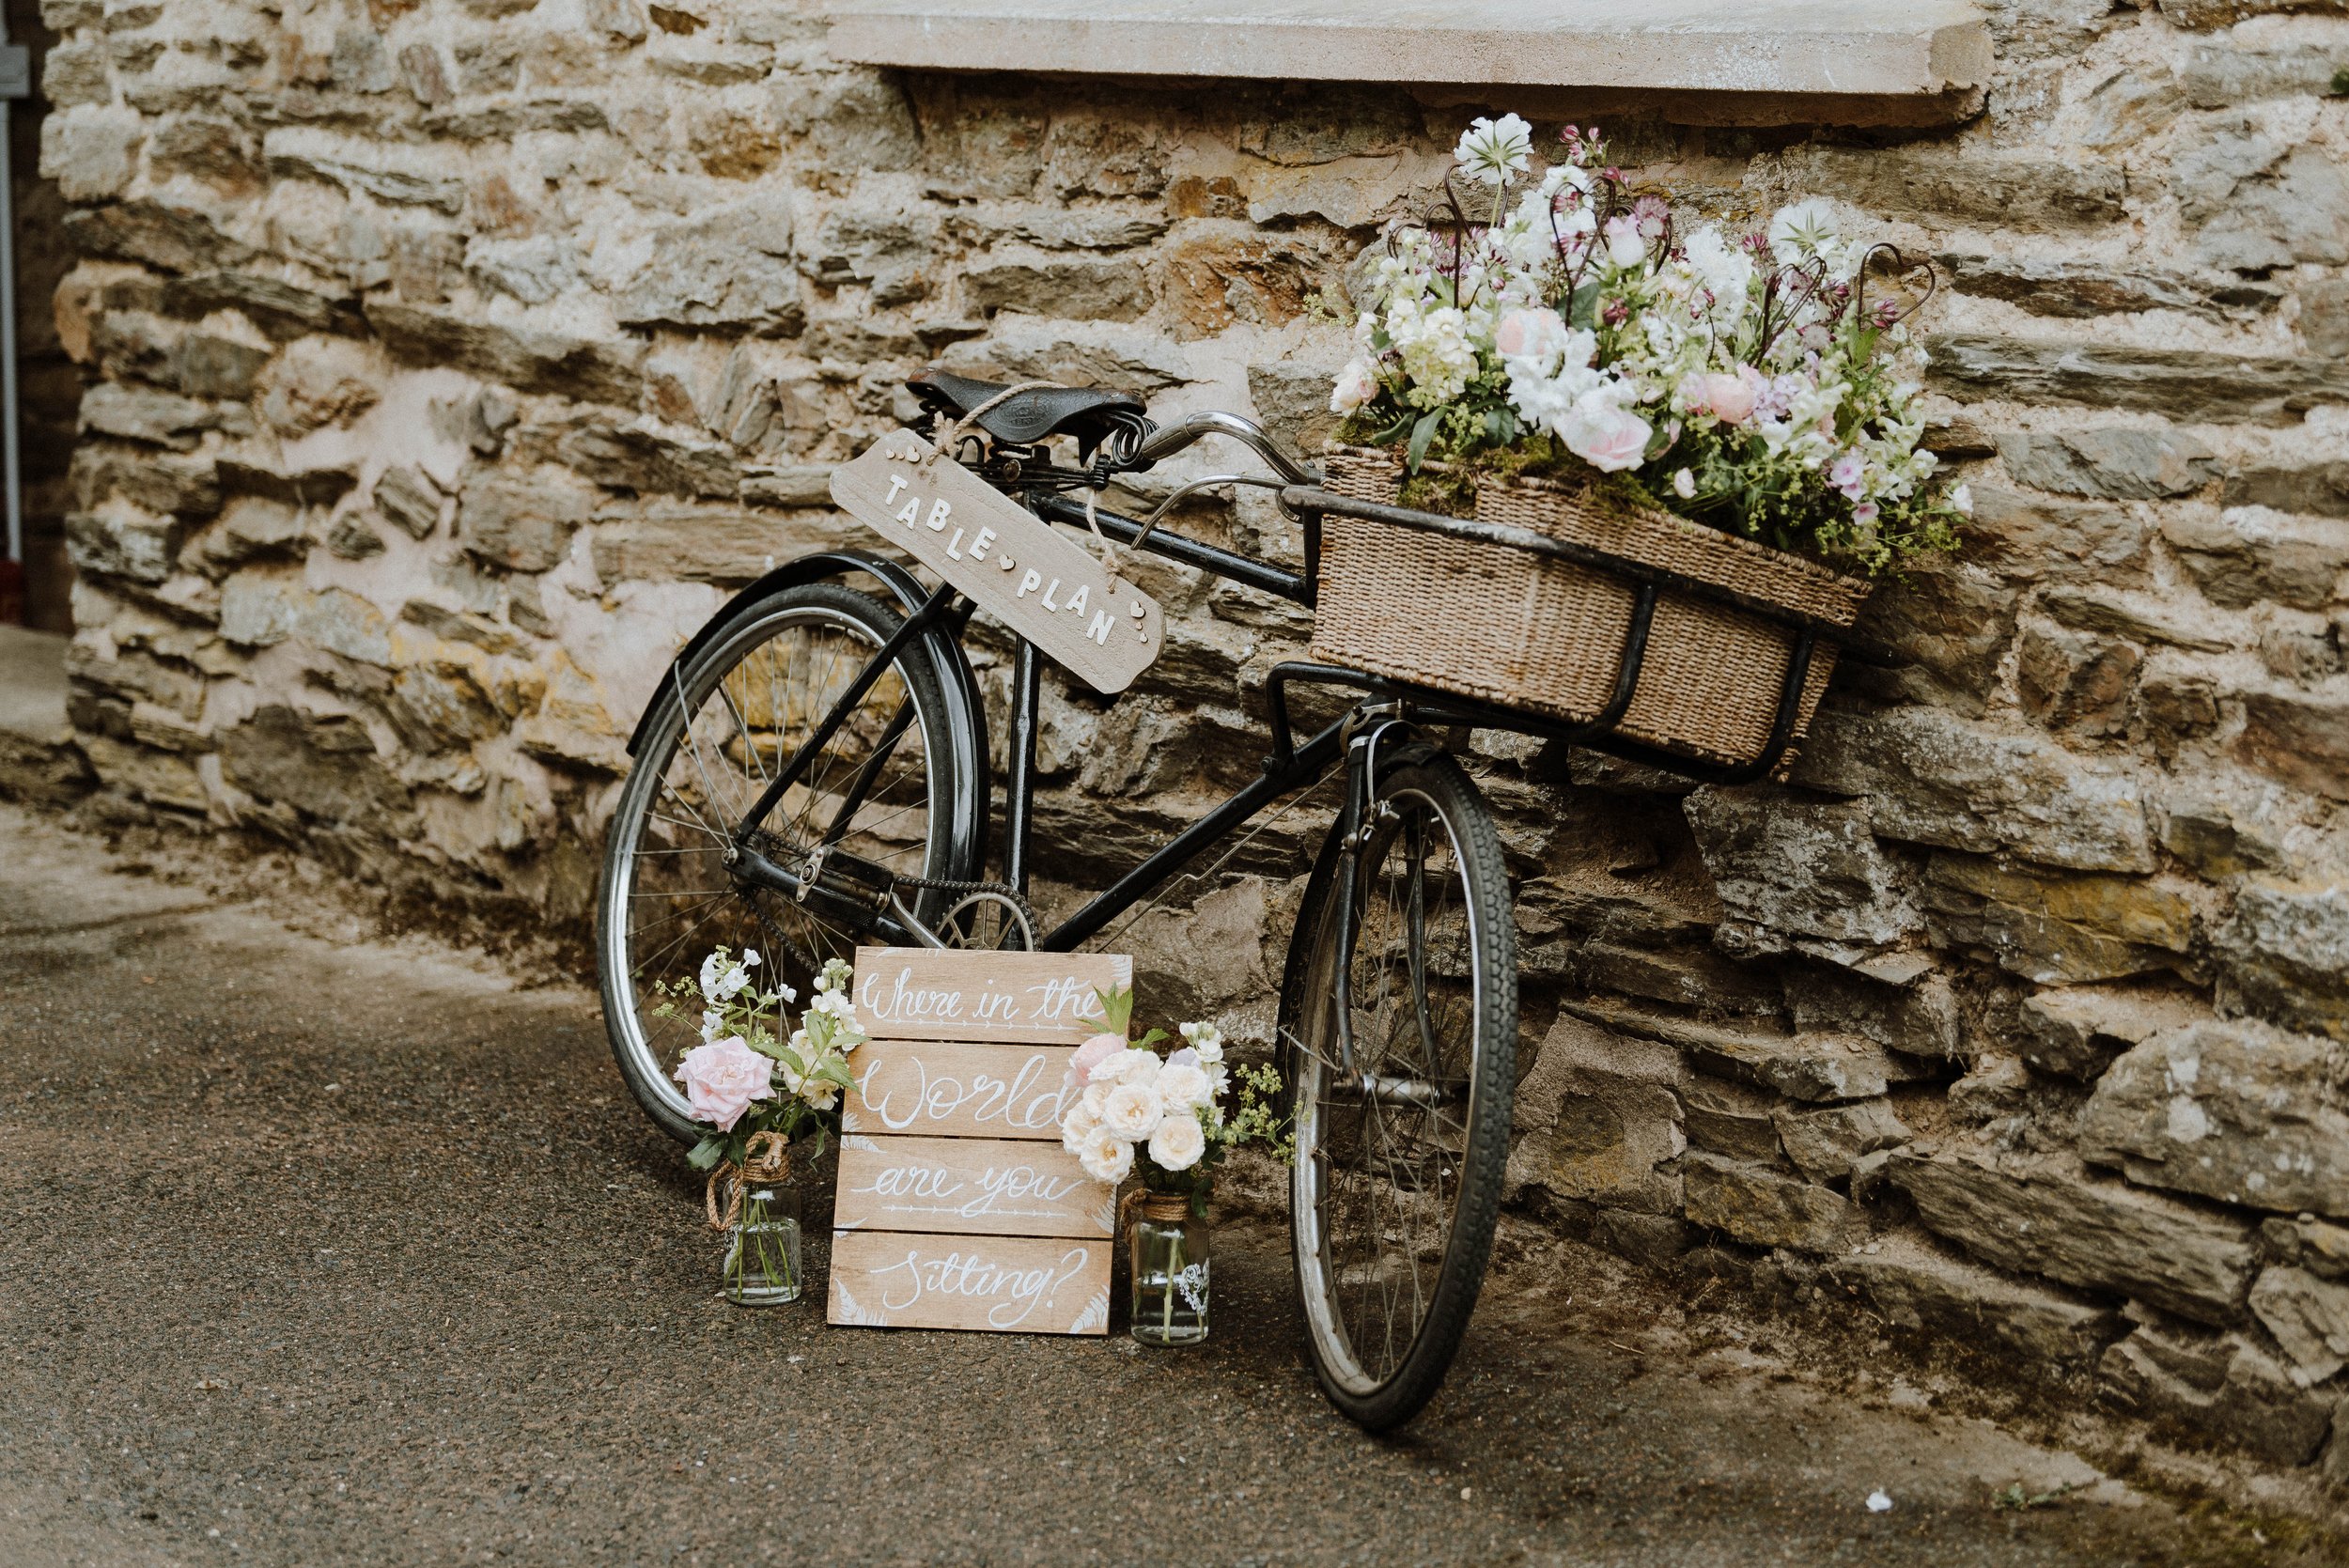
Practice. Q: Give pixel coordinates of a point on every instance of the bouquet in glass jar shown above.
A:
(1163, 1120)
(760, 1089)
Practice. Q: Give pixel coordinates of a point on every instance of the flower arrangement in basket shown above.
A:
(1742, 409)
(1163, 1120)
(761, 1088)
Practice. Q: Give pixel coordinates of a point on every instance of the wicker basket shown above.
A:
(1533, 632)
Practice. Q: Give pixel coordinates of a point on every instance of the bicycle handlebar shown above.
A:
(1171, 439)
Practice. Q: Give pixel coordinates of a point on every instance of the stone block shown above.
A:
(92, 149)
(1930, 777)
(852, 120)
(282, 311)
(1090, 156)
(1214, 280)
(1733, 1121)
(1823, 1142)
(1800, 874)
(2055, 928)
(1967, 184)
(2249, 554)
(1762, 1209)
(2200, 384)
(1109, 354)
(2309, 1243)
(1085, 289)
(215, 151)
(188, 485)
(1801, 1066)
(728, 266)
(527, 359)
(252, 527)
(2299, 736)
(143, 414)
(661, 543)
(2216, 76)
(1913, 1013)
(522, 523)
(2144, 618)
(2119, 462)
(2285, 954)
(2225, 1389)
(75, 73)
(407, 496)
(2235, 1110)
(2309, 1319)
(2073, 680)
(1942, 628)
(2261, 202)
(2074, 1031)
(172, 237)
(326, 767)
(2027, 538)
(119, 539)
(1923, 1291)
(144, 773)
(2094, 1235)
(2085, 289)
(2324, 327)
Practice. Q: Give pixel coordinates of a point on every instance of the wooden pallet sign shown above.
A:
(1043, 585)
(957, 1207)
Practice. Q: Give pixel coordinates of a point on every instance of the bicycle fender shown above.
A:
(808, 568)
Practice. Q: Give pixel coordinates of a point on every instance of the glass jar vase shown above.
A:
(762, 1266)
(1168, 1247)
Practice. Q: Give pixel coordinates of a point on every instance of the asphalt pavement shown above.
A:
(352, 1252)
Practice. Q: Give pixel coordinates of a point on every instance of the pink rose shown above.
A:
(723, 1077)
(1725, 396)
(1094, 1051)
(1526, 334)
(1607, 437)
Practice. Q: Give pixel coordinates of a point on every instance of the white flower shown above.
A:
(713, 1025)
(1627, 247)
(1183, 1087)
(1962, 500)
(1206, 1039)
(1106, 1158)
(1138, 1068)
(1132, 1112)
(1178, 1143)
(1094, 1098)
(721, 980)
(1495, 151)
(1077, 1127)
(1805, 230)
(1356, 384)
(1685, 485)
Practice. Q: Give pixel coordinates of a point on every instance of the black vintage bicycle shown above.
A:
(815, 774)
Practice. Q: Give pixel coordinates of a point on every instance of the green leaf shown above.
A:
(1582, 310)
(1421, 434)
(1151, 1039)
(705, 1155)
(1113, 1009)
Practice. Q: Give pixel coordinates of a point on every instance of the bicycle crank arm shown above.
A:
(866, 905)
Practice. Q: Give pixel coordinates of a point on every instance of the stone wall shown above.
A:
(453, 358)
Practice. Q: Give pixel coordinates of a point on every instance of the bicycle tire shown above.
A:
(643, 1052)
(1378, 1400)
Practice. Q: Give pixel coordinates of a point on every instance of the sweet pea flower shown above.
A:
(1626, 246)
(1206, 1039)
(1847, 473)
(721, 980)
(722, 1079)
(1727, 397)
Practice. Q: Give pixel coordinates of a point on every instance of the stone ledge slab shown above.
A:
(1838, 47)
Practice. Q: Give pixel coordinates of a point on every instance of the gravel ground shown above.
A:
(351, 1253)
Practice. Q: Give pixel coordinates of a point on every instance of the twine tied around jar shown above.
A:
(1160, 1209)
(766, 1158)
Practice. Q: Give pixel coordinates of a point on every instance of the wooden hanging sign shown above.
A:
(957, 1207)
(1041, 583)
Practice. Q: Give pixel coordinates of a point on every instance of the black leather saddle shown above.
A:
(1089, 413)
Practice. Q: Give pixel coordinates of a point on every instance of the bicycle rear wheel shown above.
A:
(730, 719)
(1396, 1185)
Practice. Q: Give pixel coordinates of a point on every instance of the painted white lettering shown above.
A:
(951, 550)
(896, 483)
(1049, 593)
(910, 513)
(937, 515)
(985, 537)
(1029, 580)
(1076, 605)
(1100, 630)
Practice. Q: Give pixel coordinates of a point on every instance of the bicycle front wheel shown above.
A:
(888, 787)
(1396, 1185)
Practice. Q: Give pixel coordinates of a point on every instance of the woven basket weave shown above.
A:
(1529, 632)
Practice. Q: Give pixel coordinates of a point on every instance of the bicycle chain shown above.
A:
(1000, 890)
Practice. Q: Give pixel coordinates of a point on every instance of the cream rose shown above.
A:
(722, 1079)
(1106, 1158)
(1178, 1143)
(1607, 437)
(1531, 334)
(1356, 384)
(1077, 1127)
(1183, 1087)
(1129, 1067)
(1132, 1112)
